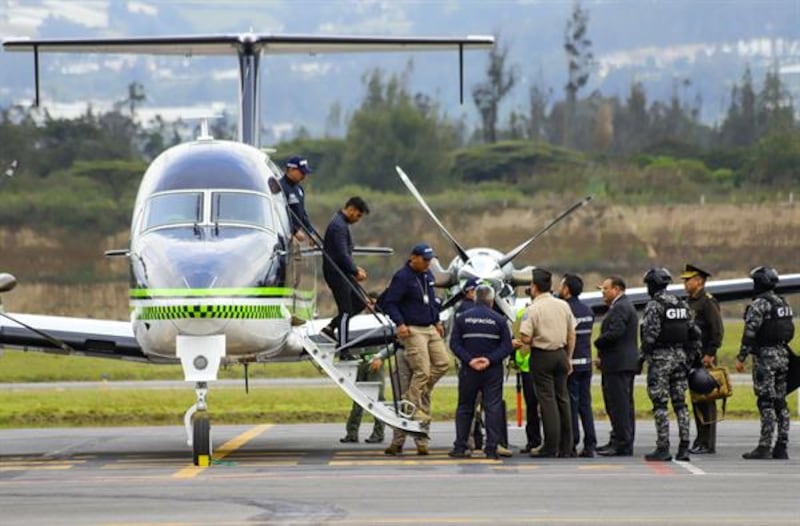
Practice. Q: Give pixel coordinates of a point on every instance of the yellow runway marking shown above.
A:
(226, 449)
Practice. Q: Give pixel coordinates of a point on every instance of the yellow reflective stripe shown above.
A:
(270, 292)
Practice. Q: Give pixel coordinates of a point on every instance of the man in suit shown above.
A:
(618, 359)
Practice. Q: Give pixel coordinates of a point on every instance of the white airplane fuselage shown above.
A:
(211, 254)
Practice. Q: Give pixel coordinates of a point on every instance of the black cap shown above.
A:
(690, 271)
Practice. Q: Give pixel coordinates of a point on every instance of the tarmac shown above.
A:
(301, 474)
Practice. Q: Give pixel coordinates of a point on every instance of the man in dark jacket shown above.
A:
(708, 318)
(411, 303)
(340, 271)
(481, 341)
(579, 382)
(297, 168)
(618, 359)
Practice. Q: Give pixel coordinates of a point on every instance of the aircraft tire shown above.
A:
(201, 443)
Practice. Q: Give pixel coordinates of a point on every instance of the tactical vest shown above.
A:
(674, 324)
(778, 328)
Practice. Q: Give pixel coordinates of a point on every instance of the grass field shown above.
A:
(18, 366)
(23, 408)
(113, 407)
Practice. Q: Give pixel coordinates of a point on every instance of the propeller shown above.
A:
(518, 250)
(413, 189)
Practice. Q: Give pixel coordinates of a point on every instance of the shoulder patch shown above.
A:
(525, 315)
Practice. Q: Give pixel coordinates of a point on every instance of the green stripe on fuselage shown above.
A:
(254, 292)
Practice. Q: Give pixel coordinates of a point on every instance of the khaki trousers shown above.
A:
(428, 361)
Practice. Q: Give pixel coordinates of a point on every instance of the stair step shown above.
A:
(364, 394)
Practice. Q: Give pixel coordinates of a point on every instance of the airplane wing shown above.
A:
(190, 45)
(723, 290)
(84, 336)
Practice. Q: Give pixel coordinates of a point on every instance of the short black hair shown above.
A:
(617, 281)
(574, 284)
(543, 279)
(357, 203)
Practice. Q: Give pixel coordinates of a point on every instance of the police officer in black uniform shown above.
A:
(481, 340)
(297, 168)
(768, 328)
(708, 318)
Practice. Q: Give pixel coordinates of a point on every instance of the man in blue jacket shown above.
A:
(340, 271)
(297, 168)
(579, 382)
(481, 340)
(411, 303)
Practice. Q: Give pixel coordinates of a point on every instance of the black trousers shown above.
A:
(489, 384)
(549, 371)
(706, 433)
(533, 424)
(348, 302)
(580, 397)
(618, 398)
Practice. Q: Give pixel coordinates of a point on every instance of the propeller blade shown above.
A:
(411, 188)
(518, 250)
(506, 308)
(452, 300)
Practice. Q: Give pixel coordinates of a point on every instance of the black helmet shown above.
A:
(657, 278)
(701, 381)
(764, 278)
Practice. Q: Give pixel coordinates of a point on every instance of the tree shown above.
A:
(538, 100)
(774, 108)
(488, 95)
(739, 127)
(579, 61)
(393, 127)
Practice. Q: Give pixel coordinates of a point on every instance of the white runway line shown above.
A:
(688, 466)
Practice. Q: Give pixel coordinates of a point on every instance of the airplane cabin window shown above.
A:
(169, 209)
(238, 207)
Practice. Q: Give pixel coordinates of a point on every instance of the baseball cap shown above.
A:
(424, 250)
(301, 163)
(472, 283)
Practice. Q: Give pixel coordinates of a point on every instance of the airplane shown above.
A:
(214, 273)
(496, 268)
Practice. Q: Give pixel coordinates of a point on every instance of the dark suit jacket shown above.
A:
(617, 346)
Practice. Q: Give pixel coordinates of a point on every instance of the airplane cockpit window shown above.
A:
(173, 209)
(240, 207)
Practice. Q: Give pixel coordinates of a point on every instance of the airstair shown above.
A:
(344, 372)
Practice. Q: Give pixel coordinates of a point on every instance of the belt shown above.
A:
(547, 350)
(581, 361)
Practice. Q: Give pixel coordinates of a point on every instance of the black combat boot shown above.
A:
(683, 452)
(759, 453)
(660, 454)
(779, 451)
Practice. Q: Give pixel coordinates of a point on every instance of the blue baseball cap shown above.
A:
(424, 250)
(472, 283)
(301, 163)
